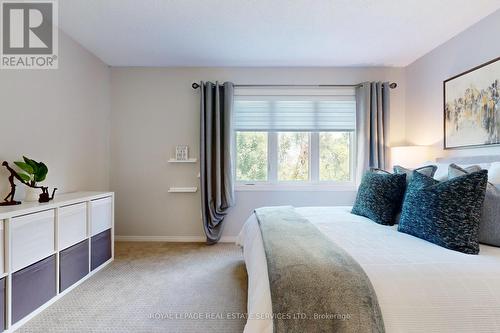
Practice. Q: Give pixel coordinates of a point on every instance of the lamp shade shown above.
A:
(410, 156)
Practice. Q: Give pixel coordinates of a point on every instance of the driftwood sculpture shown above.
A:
(9, 199)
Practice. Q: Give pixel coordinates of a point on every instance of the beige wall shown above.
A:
(61, 117)
(155, 109)
(66, 117)
(424, 82)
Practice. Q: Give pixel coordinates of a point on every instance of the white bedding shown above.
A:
(421, 287)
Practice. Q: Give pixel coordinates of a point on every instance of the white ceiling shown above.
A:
(266, 32)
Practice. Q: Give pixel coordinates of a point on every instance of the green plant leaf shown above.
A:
(24, 177)
(41, 173)
(31, 163)
(25, 167)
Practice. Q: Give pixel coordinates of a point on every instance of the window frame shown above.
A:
(314, 183)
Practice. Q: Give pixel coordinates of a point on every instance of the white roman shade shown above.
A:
(294, 109)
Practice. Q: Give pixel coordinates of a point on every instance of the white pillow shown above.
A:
(442, 171)
(494, 173)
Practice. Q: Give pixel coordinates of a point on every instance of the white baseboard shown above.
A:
(183, 239)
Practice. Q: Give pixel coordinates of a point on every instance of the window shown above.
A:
(251, 156)
(335, 156)
(300, 136)
(293, 156)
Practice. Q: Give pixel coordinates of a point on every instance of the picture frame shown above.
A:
(182, 152)
(471, 107)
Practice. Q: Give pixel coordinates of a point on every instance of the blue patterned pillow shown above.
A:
(445, 213)
(489, 226)
(379, 197)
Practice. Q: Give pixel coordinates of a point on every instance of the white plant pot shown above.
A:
(32, 194)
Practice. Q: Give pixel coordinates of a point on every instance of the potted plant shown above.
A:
(33, 173)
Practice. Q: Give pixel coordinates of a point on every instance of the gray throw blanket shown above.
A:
(315, 285)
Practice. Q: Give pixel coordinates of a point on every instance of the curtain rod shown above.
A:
(392, 85)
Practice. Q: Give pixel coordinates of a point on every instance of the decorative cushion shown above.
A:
(443, 168)
(379, 196)
(445, 213)
(489, 226)
(456, 171)
(428, 170)
(380, 171)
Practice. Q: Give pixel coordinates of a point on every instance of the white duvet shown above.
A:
(421, 287)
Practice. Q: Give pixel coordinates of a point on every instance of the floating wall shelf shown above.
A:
(182, 189)
(189, 160)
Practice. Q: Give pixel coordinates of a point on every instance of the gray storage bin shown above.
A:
(73, 264)
(2, 304)
(32, 287)
(100, 249)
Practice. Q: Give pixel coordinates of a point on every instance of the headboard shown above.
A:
(469, 159)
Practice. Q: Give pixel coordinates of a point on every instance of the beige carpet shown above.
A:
(155, 287)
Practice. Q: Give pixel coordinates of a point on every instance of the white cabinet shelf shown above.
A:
(189, 160)
(182, 189)
(34, 236)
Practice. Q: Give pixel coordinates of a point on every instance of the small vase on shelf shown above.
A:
(32, 194)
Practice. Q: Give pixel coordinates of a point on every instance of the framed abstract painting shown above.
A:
(472, 107)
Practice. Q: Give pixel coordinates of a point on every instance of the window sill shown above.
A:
(295, 188)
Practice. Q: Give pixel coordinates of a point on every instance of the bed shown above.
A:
(420, 287)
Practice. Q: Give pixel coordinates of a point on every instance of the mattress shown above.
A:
(421, 287)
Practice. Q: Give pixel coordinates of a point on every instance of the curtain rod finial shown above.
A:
(195, 85)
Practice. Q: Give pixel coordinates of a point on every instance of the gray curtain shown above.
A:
(216, 162)
(372, 125)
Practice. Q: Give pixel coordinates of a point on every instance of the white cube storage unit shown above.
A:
(47, 249)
